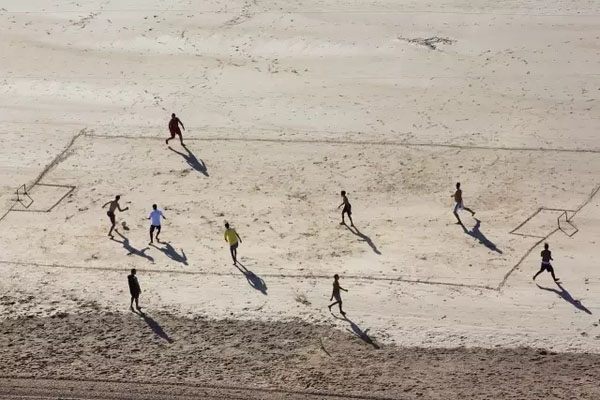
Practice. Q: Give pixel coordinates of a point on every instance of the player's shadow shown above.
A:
(132, 250)
(170, 252)
(477, 234)
(359, 333)
(364, 238)
(192, 161)
(253, 280)
(156, 328)
(566, 296)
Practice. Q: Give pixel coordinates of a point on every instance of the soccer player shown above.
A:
(347, 209)
(155, 216)
(232, 237)
(546, 266)
(336, 294)
(174, 129)
(134, 289)
(114, 205)
(459, 203)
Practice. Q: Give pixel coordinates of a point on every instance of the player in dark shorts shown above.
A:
(174, 129)
(114, 205)
(336, 294)
(347, 209)
(546, 266)
(134, 289)
(232, 237)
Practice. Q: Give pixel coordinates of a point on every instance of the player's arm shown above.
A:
(238, 236)
(122, 209)
(107, 203)
(181, 123)
(332, 292)
(343, 289)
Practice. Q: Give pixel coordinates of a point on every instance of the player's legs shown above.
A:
(332, 304)
(233, 250)
(157, 233)
(137, 304)
(340, 305)
(180, 138)
(113, 222)
(131, 305)
(469, 210)
(551, 270)
(540, 271)
(457, 218)
(350, 218)
(151, 232)
(172, 136)
(457, 206)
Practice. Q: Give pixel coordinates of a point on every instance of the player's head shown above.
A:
(133, 271)
(154, 206)
(173, 115)
(117, 197)
(546, 246)
(343, 192)
(226, 225)
(458, 185)
(336, 277)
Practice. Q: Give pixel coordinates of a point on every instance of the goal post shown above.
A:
(23, 196)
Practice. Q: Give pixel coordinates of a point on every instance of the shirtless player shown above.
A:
(174, 129)
(459, 204)
(114, 205)
(347, 209)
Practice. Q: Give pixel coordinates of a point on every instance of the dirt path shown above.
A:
(249, 359)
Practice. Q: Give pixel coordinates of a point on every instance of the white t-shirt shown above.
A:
(155, 217)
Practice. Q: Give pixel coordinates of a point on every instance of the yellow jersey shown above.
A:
(231, 236)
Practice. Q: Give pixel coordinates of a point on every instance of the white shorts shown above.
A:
(459, 206)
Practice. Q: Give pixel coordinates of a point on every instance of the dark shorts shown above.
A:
(135, 295)
(111, 215)
(175, 132)
(234, 246)
(347, 210)
(337, 298)
(547, 267)
(153, 227)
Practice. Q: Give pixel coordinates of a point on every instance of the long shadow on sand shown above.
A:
(255, 281)
(130, 249)
(364, 238)
(359, 333)
(477, 234)
(170, 252)
(156, 328)
(192, 161)
(566, 296)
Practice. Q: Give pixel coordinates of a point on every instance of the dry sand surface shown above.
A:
(285, 104)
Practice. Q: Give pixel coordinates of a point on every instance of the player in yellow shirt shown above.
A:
(232, 237)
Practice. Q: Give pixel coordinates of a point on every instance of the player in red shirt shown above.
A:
(174, 129)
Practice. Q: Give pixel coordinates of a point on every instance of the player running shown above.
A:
(155, 216)
(114, 205)
(459, 203)
(232, 237)
(546, 266)
(174, 129)
(347, 209)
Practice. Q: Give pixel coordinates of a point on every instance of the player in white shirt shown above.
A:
(154, 217)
